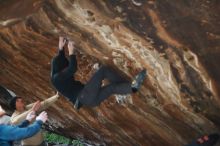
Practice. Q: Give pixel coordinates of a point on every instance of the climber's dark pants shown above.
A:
(94, 93)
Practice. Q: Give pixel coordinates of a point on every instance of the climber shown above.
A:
(92, 93)
(21, 111)
(9, 133)
(206, 140)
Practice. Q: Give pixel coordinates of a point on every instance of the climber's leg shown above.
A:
(93, 93)
(89, 94)
(92, 87)
(113, 88)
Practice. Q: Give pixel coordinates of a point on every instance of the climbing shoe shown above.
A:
(138, 80)
(77, 104)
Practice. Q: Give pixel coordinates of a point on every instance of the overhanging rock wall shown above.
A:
(177, 42)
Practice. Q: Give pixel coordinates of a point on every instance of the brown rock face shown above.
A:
(177, 42)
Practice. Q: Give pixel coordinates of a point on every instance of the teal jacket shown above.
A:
(9, 133)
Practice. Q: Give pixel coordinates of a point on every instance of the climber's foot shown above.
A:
(77, 105)
(138, 80)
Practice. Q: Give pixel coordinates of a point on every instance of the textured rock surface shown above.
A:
(178, 42)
